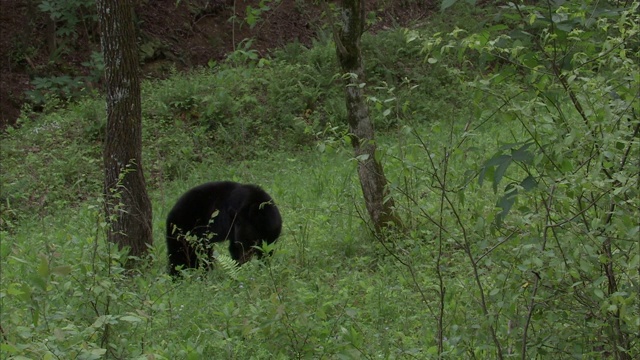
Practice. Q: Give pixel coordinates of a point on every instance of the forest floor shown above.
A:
(173, 34)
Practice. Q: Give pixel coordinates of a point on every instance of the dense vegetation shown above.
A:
(510, 135)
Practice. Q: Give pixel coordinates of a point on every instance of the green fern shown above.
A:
(229, 265)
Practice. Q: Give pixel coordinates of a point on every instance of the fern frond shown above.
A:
(229, 265)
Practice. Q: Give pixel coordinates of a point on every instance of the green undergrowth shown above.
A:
(520, 207)
(240, 109)
(278, 123)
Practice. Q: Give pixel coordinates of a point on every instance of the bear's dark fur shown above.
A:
(217, 211)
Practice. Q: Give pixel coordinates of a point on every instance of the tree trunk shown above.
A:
(372, 180)
(127, 204)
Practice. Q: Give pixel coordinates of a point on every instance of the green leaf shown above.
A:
(8, 348)
(521, 154)
(446, 4)
(363, 157)
(130, 318)
(528, 183)
(498, 27)
(97, 353)
(510, 146)
(565, 26)
(14, 290)
(497, 160)
(506, 202)
(599, 293)
(61, 270)
(43, 268)
(481, 175)
(559, 17)
(502, 168)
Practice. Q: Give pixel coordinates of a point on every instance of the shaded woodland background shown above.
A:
(174, 34)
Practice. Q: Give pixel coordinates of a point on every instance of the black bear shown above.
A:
(217, 211)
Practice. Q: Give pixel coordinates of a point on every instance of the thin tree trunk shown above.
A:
(127, 204)
(372, 179)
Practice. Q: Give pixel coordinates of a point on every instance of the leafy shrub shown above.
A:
(555, 254)
(67, 87)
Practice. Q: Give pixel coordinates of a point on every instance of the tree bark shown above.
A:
(372, 179)
(127, 204)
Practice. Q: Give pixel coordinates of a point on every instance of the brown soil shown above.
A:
(173, 33)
